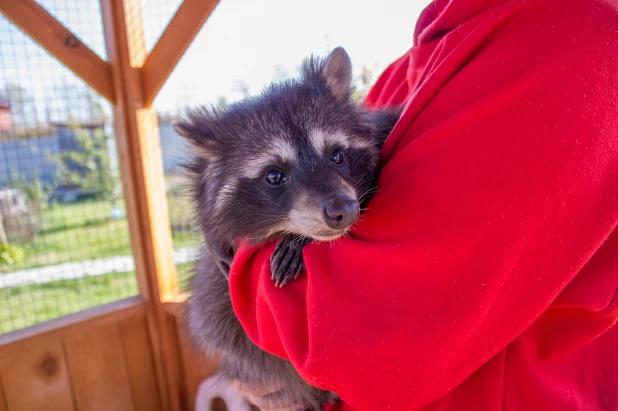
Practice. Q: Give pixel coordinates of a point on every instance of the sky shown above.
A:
(248, 40)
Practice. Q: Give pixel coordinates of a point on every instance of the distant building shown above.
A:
(6, 120)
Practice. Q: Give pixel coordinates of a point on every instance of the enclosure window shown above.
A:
(63, 231)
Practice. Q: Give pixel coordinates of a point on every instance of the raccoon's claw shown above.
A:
(287, 260)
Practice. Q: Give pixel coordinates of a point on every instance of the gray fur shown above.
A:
(313, 115)
(214, 326)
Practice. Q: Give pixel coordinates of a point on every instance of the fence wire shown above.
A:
(64, 241)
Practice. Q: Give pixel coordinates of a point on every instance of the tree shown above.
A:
(37, 193)
(363, 84)
(222, 103)
(88, 166)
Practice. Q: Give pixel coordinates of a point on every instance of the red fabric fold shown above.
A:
(484, 274)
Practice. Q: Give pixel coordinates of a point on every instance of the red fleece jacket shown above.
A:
(484, 275)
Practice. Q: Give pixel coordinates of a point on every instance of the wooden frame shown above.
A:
(172, 44)
(130, 80)
(37, 23)
(20, 340)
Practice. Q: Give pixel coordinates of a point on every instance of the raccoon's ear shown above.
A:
(196, 128)
(337, 72)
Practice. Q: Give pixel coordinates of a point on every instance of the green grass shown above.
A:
(27, 305)
(85, 231)
(79, 232)
(31, 304)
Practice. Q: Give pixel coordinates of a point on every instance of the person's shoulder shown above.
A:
(577, 40)
(583, 25)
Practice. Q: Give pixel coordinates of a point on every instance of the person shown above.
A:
(484, 274)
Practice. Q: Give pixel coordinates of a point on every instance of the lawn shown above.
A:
(86, 231)
(32, 304)
(79, 232)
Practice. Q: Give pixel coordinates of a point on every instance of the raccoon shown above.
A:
(295, 164)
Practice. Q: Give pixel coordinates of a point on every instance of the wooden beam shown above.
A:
(176, 306)
(3, 405)
(74, 324)
(139, 154)
(172, 44)
(50, 34)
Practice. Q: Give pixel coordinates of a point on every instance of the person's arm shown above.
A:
(501, 181)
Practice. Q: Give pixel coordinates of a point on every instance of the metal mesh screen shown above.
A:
(156, 15)
(63, 234)
(83, 18)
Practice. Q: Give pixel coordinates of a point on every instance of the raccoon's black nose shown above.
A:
(340, 212)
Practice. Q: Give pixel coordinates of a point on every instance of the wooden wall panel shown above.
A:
(140, 365)
(43, 334)
(195, 367)
(37, 380)
(3, 406)
(98, 370)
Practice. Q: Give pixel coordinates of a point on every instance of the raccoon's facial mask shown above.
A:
(300, 158)
(307, 190)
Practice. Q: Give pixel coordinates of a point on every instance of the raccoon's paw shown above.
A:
(287, 260)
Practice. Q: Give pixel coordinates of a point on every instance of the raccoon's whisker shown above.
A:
(361, 179)
(370, 190)
(367, 193)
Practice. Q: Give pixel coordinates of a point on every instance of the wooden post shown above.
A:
(140, 160)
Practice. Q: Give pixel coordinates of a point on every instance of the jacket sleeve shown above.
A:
(499, 183)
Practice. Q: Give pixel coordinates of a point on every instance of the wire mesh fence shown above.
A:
(63, 231)
(64, 241)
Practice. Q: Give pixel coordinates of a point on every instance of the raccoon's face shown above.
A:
(298, 159)
(309, 183)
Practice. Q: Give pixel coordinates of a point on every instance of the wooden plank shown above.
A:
(16, 342)
(37, 380)
(3, 404)
(140, 365)
(50, 34)
(178, 35)
(175, 306)
(195, 365)
(97, 366)
(139, 153)
(175, 347)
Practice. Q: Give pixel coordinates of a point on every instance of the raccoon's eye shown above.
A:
(275, 178)
(336, 157)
